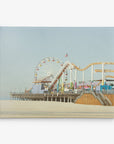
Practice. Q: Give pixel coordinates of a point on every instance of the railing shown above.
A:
(108, 91)
(97, 92)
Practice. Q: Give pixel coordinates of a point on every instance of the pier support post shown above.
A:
(68, 99)
(64, 99)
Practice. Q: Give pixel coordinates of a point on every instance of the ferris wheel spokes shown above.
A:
(47, 66)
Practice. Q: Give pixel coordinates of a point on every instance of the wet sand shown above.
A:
(46, 109)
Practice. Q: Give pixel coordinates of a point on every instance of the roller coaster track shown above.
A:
(97, 63)
(106, 70)
(59, 74)
(109, 76)
(65, 66)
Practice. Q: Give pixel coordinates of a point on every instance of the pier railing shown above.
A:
(108, 91)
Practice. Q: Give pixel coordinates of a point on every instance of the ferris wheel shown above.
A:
(47, 67)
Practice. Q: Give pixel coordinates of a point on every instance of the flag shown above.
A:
(66, 55)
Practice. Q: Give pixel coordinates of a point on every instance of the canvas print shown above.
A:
(56, 72)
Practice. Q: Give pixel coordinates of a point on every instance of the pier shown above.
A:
(63, 86)
(89, 98)
(45, 97)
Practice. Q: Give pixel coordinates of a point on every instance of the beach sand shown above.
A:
(46, 109)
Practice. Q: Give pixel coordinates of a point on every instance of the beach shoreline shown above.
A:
(46, 109)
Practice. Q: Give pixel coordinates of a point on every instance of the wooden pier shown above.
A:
(90, 98)
(65, 97)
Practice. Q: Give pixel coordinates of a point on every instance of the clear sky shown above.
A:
(21, 48)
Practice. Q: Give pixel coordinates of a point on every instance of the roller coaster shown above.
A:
(52, 74)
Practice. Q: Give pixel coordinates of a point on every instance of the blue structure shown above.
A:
(37, 88)
(105, 87)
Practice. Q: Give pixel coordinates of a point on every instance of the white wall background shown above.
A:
(56, 13)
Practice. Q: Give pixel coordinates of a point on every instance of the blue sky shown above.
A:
(21, 48)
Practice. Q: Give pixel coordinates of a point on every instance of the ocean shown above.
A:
(5, 98)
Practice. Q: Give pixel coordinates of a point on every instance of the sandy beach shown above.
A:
(44, 109)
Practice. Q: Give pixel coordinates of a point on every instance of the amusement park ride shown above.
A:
(52, 76)
(55, 79)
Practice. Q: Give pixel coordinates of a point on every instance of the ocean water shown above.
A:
(5, 98)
